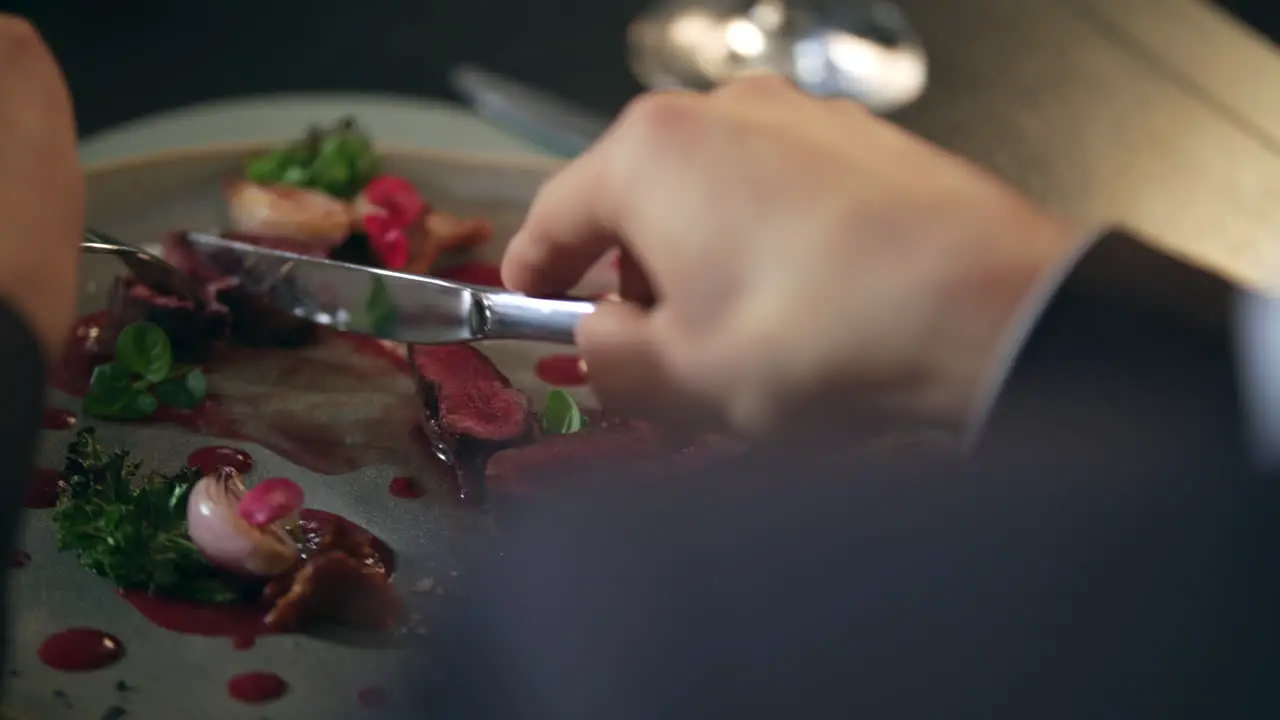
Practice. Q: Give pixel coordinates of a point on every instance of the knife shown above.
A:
(545, 120)
(387, 304)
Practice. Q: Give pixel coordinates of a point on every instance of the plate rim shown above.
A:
(529, 162)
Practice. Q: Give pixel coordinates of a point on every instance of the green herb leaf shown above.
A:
(183, 391)
(127, 405)
(379, 312)
(144, 349)
(338, 160)
(111, 379)
(131, 532)
(561, 416)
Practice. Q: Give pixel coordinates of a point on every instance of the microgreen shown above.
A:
(338, 160)
(142, 377)
(562, 416)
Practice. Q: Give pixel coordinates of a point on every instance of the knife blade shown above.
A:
(543, 119)
(384, 303)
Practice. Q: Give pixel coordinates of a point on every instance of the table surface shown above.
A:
(1162, 115)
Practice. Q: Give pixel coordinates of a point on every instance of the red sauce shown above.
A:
(561, 370)
(84, 353)
(43, 489)
(475, 273)
(209, 459)
(372, 697)
(241, 622)
(19, 559)
(80, 649)
(58, 419)
(405, 488)
(191, 618)
(256, 687)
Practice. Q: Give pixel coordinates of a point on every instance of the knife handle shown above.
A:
(512, 316)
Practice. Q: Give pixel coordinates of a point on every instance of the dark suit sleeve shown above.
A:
(22, 374)
(1131, 357)
(1104, 554)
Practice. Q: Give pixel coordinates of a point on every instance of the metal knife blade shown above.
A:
(543, 119)
(387, 304)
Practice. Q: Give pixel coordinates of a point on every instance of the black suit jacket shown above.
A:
(1106, 552)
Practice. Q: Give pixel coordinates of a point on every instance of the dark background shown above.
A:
(1164, 114)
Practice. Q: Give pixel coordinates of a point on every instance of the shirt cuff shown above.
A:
(1019, 332)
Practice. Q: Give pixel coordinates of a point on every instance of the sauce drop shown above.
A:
(58, 419)
(405, 488)
(256, 687)
(243, 642)
(372, 697)
(475, 273)
(19, 559)
(561, 370)
(43, 490)
(80, 649)
(209, 459)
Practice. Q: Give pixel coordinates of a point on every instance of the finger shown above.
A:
(579, 214)
(567, 229)
(633, 282)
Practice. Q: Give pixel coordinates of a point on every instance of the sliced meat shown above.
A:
(614, 443)
(254, 322)
(468, 404)
(194, 327)
(521, 470)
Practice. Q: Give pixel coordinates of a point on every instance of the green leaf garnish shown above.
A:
(339, 160)
(561, 416)
(183, 391)
(379, 311)
(144, 349)
(132, 530)
(142, 377)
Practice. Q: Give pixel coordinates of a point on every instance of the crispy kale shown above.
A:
(131, 528)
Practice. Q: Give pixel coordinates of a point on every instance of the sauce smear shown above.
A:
(58, 419)
(561, 370)
(256, 687)
(80, 649)
(19, 559)
(43, 489)
(405, 488)
(209, 459)
(192, 618)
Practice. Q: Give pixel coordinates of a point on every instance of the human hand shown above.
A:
(41, 186)
(787, 261)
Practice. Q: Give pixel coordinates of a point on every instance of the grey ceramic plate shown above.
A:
(184, 676)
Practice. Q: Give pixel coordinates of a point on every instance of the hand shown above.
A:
(788, 261)
(41, 186)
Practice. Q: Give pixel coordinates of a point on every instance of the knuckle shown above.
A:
(757, 84)
(658, 115)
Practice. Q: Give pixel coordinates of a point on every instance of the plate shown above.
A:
(166, 675)
(398, 121)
